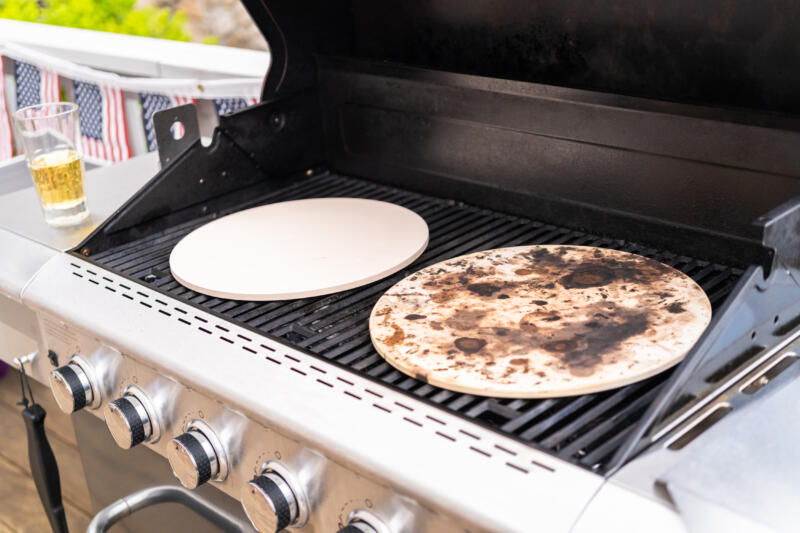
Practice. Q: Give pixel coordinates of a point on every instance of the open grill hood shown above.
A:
(717, 53)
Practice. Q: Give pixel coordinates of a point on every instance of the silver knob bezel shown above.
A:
(152, 413)
(369, 518)
(88, 369)
(222, 457)
(297, 488)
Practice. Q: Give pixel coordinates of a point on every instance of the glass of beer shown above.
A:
(51, 141)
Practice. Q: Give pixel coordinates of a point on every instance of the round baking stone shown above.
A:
(539, 321)
(299, 249)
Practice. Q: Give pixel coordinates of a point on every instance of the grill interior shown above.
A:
(585, 430)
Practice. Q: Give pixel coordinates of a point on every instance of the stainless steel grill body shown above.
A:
(343, 434)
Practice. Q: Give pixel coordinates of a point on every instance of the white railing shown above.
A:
(137, 57)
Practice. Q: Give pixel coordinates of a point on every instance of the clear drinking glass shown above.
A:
(51, 141)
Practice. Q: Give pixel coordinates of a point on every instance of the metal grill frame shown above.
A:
(586, 429)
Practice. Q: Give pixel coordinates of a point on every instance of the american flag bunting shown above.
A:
(104, 131)
(153, 103)
(35, 85)
(6, 142)
(226, 106)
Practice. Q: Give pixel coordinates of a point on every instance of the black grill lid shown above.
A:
(716, 52)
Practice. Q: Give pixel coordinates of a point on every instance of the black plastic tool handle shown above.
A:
(44, 468)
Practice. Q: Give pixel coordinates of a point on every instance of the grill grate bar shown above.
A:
(597, 456)
(580, 444)
(585, 418)
(529, 413)
(535, 431)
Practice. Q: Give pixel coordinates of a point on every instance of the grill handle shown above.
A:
(150, 496)
(44, 467)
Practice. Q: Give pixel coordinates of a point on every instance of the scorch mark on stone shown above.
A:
(469, 344)
(395, 338)
(676, 307)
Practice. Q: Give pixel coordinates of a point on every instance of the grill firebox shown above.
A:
(585, 430)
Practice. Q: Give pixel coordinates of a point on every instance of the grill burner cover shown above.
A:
(298, 249)
(539, 321)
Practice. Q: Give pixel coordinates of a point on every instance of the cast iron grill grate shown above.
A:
(584, 429)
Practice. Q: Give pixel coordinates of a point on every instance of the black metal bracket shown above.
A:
(177, 128)
(283, 135)
(181, 189)
(264, 148)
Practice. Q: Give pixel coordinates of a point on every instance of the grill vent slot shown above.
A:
(763, 380)
(714, 416)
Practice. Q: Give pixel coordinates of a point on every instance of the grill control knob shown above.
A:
(128, 421)
(270, 503)
(193, 458)
(71, 388)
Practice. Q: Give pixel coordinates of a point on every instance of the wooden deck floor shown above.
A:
(20, 508)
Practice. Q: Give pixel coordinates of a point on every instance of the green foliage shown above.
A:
(19, 10)
(116, 16)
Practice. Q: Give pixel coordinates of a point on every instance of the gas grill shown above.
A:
(583, 429)
(444, 109)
